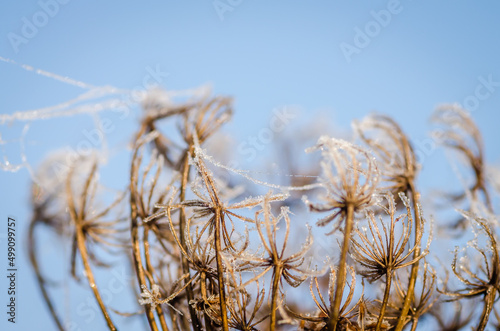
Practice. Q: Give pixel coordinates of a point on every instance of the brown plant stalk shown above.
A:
(78, 218)
(399, 169)
(350, 189)
(42, 283)
(382, 253)
(134, 229)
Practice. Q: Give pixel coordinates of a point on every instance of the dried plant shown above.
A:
(461, 134)
(476, 285)
(420, 304)
(288, 268)
(350, 177)
(240, 301)
(350, 189)
(153, 297)
(209, 256)
(383, 252)
(347, 313)
(398, 165)
(399, 170)
(89, 228)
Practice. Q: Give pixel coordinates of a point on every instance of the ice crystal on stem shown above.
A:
(350, 177)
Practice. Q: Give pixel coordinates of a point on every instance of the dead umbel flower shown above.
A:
(484, 280)
(89, 227)
(399, 168)
(243, 316)
(394, 153)
(288, 268)
(459, 133)
(426, 298)
(383, 252)
(350, 177)
(347, 313)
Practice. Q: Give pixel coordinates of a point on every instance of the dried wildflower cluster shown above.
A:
(207, 255)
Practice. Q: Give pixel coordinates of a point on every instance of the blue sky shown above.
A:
(410, 57)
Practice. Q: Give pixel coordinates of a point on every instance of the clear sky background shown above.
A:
(337, 59)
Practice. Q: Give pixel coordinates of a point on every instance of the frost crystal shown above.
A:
(150, 297)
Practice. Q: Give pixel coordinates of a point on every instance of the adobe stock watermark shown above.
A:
(425, 147)
(31, 25)
(249, 148)
(364, 36)
(221, 7)
(484, 90)
(252, 145)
